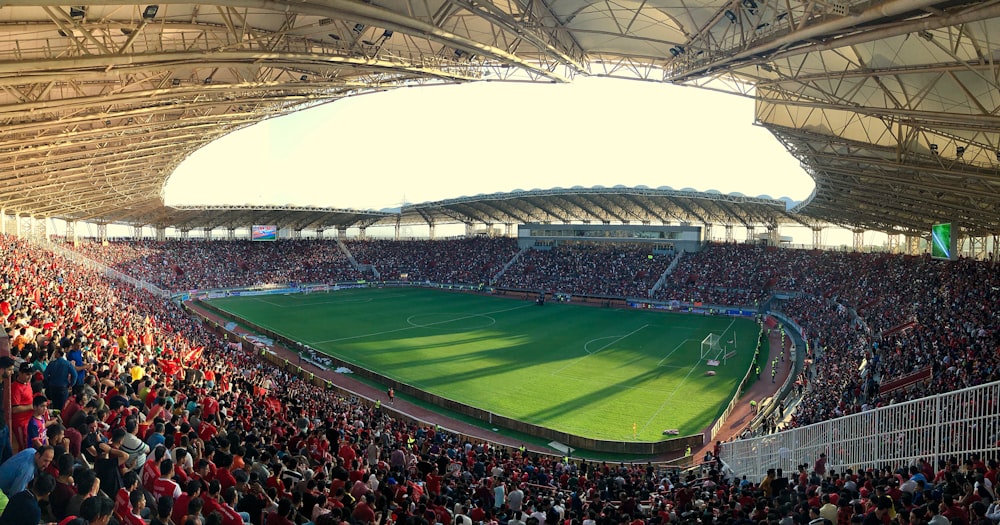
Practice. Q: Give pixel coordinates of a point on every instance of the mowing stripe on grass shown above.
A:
(573, 362)
(414, 326)
(670, 353)
(506, 367)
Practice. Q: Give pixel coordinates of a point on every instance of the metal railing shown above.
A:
(104, 269)
(953, 424)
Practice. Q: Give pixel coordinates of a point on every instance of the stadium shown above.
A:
(587, 356)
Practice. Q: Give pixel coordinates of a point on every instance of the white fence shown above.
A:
(87, 262)
(953, 424)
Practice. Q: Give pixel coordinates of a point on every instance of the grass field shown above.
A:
(585, 370)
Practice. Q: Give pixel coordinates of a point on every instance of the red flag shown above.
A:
(193, 355)
(169, 367)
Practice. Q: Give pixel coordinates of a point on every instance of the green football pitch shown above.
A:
(590, 371)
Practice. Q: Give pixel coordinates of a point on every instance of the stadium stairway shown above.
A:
(508, 264)
(666, 273)
(350, 256)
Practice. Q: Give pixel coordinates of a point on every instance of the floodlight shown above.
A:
(934, 149)
(959, 151)
(77, 12)
(150, 12)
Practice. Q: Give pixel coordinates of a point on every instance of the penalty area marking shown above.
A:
(411, 322)
(589, 353)
(670, 353)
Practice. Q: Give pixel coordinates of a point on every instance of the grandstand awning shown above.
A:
(100, 102)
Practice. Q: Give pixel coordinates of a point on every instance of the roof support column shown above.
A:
(729, 233)
(469, 230)
(430, 228)
(231, 234)
(750, 233)
(977, 247)
(361, 232)
(398, 228)
(208, 233)
(17, 225)
(102, 232)
(184, 234)
(39, 229)
(161, 234)
(509, 230)
(773, 236)
(912, 245)
(320, 232)
(893, 243)
(71, 236)
(817, 237)
(859, 240)
(707, 232)
(341, 233)
(296, 233)
(137, 232)
(993, 251)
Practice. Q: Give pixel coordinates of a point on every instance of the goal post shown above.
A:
(711, 347)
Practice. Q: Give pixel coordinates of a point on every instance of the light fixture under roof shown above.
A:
(150, 12)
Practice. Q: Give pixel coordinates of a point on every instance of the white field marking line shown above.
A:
(671, 396)
(276, 305)
(670, 353)
(345, 301)
(409, 321)
(586, 346)
(588, 354)
(412, 327)
(591, 382)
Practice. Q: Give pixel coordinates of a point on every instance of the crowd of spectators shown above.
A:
(177, 265)
(474, 260)
(612, 270)
(125, 409)
(597, 269)
(896, 314)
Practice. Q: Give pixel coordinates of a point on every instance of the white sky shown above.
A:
(439, 142)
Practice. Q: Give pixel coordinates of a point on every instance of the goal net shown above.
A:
(710, 347)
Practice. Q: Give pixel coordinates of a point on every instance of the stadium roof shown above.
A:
(892, 106)
(598, 205)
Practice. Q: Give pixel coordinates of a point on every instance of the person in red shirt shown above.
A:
(364, 512)
(137, 499)
(281, 515)
(347, 453)
(193, 490)
(21, 410)
(123, 503)
(165, 485)
(151, 469)
(214, 503)
(223, 462)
